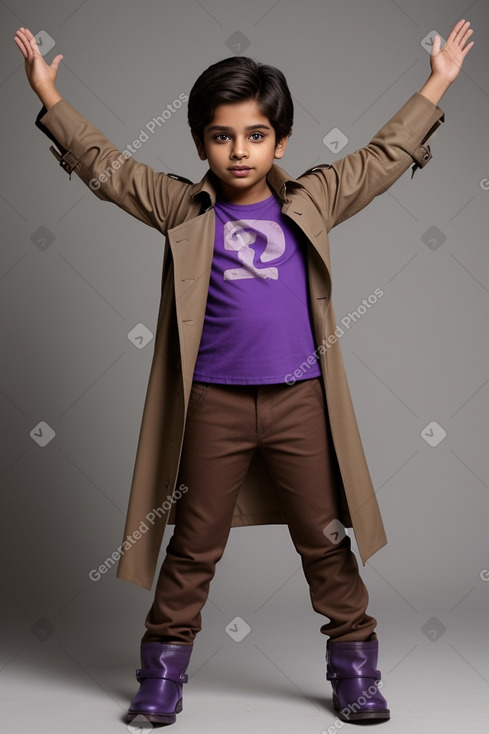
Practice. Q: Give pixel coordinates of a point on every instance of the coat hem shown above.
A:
(134, 580)
(365, 556)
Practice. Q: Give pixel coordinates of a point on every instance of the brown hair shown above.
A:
(237, 79)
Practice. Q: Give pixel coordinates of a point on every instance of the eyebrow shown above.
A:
(226, 128)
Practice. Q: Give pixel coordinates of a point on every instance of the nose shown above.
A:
(239, 149)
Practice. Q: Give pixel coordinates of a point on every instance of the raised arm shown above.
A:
(346, 186)
(111, 174)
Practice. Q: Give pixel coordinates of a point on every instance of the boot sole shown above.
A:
(381, 714)
(156, 718)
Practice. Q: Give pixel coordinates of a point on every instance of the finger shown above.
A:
(27, 39)
(55, 62)
(34, 46)
(21, 45)
(457, 26)
(462, 30)
(466, 37)
(435, 47)
(28, 33)
(31, 42)
(455, 30)
(22, 42)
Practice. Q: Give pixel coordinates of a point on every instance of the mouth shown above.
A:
(240, 170)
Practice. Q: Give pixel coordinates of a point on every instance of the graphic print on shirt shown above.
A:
(240, 234)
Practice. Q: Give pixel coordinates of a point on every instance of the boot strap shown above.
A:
(142, 673)
(374, 674)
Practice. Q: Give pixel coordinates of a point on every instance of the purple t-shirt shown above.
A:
(257, 326)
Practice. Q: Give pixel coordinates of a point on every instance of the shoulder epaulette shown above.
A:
(316, 168)
(180, 178)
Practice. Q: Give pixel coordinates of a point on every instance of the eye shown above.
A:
(221, 137)
(257, 136)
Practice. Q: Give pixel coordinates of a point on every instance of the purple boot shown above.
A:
(161, 676)
(352, 669)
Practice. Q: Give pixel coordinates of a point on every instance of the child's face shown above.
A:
(240, 146)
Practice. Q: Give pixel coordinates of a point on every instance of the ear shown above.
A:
(281, 146)
(200, 147)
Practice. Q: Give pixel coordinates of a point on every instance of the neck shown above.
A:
(252, 195)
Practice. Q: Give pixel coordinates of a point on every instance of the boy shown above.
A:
(246, 362)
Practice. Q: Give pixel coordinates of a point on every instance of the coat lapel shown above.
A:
(192, 247)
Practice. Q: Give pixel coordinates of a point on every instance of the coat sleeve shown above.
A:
(343, 188)
(111, 174)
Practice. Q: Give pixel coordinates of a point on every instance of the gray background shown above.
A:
(70, 645)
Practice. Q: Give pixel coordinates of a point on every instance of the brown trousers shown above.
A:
(289, 425)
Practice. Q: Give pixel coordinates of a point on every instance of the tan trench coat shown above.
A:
(316, 201)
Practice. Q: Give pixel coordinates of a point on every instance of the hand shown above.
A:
(447, 62)
(39, 74)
